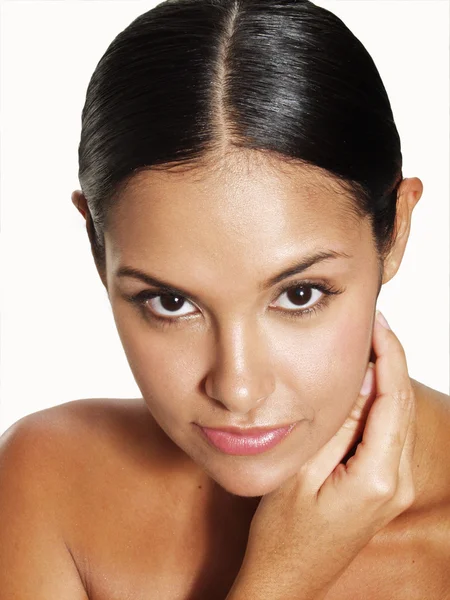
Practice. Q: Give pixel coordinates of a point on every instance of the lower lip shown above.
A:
(244, 445)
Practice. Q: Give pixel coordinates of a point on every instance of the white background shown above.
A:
(58, 337)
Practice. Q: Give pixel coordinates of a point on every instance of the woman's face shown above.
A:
(235, 354)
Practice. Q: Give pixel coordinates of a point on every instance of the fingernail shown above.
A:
(366, 387)
(382, 319)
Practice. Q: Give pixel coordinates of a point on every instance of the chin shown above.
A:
(241, 482)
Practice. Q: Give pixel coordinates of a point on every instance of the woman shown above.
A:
(242, 187)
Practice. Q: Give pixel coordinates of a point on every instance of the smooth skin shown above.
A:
(113, 499)
(292, 550)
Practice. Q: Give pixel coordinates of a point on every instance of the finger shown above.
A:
(316, 470)
(410, 441)
(387, 424)
(406, 480)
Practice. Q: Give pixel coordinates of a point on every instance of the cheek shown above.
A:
(163, 365)
(325, 366)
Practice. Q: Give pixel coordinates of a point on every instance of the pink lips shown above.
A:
(252, 441)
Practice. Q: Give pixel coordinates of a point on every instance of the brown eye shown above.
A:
(170, 305)
(300, 296)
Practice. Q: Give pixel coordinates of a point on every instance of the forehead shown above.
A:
(237, 206)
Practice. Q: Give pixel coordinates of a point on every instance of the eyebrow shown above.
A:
(294, 269)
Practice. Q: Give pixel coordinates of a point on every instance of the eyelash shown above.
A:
(327, 290)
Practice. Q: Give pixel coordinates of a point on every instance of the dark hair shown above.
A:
(286, 78)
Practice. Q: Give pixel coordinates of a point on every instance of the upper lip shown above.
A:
(250, 430)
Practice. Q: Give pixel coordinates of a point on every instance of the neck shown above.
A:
(430, 472)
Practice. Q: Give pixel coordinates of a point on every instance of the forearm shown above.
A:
(258, 589)
(238, 594)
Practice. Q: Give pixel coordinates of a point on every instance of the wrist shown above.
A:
(257, 588)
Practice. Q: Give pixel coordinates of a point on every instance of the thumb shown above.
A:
(318, 468)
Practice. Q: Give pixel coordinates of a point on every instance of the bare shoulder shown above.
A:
(60, 444)
(75, 481)
(434, 396)
(42, 460)
(69, 426)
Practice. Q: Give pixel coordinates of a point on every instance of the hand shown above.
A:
(305, 533)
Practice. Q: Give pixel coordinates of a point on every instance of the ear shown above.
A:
(80, 202)
(409, 193)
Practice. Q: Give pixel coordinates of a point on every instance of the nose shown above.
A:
(241, 376)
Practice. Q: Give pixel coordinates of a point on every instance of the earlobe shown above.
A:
(390, 269)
